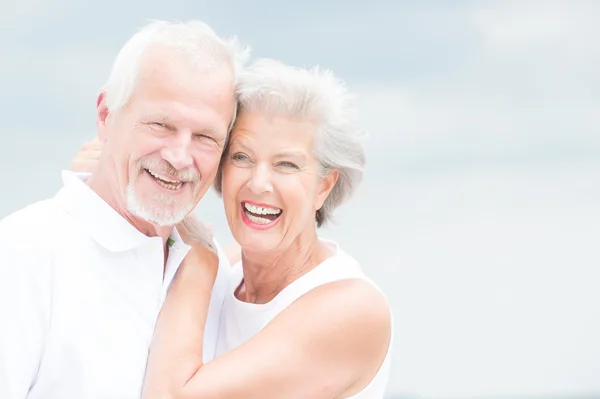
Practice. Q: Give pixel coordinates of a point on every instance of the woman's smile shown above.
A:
(259, 216)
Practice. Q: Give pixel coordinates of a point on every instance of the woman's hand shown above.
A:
(87, 158)
(199, 236)
(201, 263)
(202, 254)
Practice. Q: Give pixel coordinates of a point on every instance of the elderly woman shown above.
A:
(300, 320)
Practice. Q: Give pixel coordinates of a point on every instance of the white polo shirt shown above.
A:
(80, 292)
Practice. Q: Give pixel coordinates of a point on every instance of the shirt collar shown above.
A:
(176, 242)
(106, 226)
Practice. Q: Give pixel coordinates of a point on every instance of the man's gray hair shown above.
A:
(195, 40)
(316, 96)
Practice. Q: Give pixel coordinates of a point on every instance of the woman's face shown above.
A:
(271, 185)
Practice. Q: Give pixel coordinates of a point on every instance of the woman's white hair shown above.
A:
(194, 40)
(316, 96)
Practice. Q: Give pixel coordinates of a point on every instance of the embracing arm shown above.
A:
(177, 343)
(329, 343)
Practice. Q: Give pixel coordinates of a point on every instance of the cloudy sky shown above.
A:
(480, 212)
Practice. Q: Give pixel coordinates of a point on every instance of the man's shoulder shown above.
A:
(38, 220)
(28, 242)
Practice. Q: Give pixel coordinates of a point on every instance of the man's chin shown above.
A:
(164, 217)
(159, 212)
(160, 223)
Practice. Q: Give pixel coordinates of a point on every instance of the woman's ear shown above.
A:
(327, 183)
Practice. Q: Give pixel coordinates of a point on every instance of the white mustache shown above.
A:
(162, 166)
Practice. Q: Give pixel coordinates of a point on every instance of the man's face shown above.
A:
(163, 148)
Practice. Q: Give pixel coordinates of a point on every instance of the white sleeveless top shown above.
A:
(240, 321)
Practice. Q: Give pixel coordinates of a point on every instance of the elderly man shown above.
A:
(84, 274)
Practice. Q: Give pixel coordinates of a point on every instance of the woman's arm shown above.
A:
(328, 344)
(177, 343)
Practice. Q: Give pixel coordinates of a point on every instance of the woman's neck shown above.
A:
(266, 275)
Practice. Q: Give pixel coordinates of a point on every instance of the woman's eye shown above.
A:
(238, 156)
(158, 124)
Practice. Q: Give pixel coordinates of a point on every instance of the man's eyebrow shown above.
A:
(157, 118)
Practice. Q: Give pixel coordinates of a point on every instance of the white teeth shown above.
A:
(171, 185)
(261, 210)
(161, 177)
(258, 220)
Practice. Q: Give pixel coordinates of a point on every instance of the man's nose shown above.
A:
(179, 152)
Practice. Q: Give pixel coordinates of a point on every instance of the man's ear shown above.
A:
(101, 116)
(327, 184)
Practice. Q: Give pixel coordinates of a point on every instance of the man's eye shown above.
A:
(287, 164)
(158, 124)
(204, 137)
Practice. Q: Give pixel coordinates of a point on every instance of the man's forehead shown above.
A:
(159, 60)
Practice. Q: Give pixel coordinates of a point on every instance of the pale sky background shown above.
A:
(480, 212)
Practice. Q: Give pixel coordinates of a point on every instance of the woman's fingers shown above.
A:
(87, 158)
